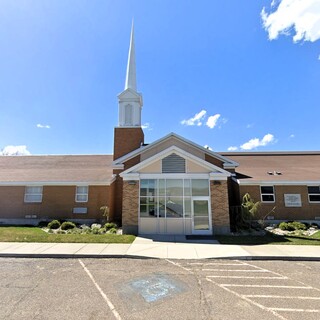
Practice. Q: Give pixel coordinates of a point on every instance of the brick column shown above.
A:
(130, 207)
(220, 207)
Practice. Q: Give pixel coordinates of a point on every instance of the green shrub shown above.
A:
(286, 226)
(61, 232)
(95, 230)
(293, 225)
(54, 224)
(67, 225)
(298, 225)
(112, 231)
(102, 231)
(110, 225)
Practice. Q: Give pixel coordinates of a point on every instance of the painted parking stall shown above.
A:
(278, 294)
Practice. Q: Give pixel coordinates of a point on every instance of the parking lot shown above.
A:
(158, 289)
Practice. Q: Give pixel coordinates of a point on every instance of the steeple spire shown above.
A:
(131, 81)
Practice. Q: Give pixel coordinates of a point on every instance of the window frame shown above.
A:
(313, 194)
(267, 194)
(82, 194)
(26, 194)
(161, 197)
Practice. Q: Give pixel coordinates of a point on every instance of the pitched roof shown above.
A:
(276, 166)
(227, 161)
(68, 169)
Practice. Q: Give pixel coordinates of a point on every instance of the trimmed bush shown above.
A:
(67, 225)
(112, 231)
(110, 225)
(298, 225)
(291, 226)
(54, 224)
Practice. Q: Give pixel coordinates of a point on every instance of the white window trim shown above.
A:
(261, 194)
(82, 194)
(33, 194)
(314, 194)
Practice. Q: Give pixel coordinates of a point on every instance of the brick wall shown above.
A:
(57, 203)
(220, 206)
(130, 207)
(126, 140)
(308, 211)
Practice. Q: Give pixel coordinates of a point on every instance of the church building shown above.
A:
(171, 186)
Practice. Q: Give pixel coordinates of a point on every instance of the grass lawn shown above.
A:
(34, 234)
(270, 238)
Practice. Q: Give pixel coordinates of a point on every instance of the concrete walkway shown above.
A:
(169, 247)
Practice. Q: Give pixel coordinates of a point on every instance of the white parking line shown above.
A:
(280, 297)
(231, 270)
(104, 296)
(215, 264)
(295, 310)
(263, 286)
(247, 277)
(248, 300)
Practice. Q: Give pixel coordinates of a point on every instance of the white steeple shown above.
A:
(131, 80)
(130, 101)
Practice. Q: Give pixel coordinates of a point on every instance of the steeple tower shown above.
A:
(131, 78)
(129, 136)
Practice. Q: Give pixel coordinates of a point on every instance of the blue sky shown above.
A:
(232, 74)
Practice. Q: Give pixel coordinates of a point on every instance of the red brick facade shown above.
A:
(57, 203)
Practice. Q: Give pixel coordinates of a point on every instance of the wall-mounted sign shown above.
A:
(292, 200)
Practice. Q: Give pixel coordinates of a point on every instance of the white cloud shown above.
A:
(254, 143)
(43, 126)
(250, 125)
(291, 136)
(212, 121)
(196, 120)
(232, 148)
(207, 147)
(15, 151)
(302, 16)
(146, 126)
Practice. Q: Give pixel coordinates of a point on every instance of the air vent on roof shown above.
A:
(173, 164)
(274, 173)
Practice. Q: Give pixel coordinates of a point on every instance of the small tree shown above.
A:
(249, 209)
(105, 213)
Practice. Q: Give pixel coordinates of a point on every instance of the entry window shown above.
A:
(33, 194)
(314, 193)
(148, 197)
(267, 193)
(170, 198)
(82, 194)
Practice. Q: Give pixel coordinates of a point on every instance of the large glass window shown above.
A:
(148, 198)
(170, 198)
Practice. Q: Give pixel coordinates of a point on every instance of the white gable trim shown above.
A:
(215, 171)
(228, 163)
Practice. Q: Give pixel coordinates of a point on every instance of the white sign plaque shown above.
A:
(292, 200)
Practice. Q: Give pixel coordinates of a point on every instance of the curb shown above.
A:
(124, 256)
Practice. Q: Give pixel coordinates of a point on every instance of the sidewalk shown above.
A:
(169, 247)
